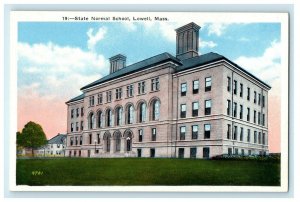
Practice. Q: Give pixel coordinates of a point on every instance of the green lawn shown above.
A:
(135, 171)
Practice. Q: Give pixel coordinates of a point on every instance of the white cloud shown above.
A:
(267, 67)
(53, 71)
(129, 26)
(206, 44)
(95, 38)
(216, 28)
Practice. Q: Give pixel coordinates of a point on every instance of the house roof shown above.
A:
(79, 97)
(161, 58)
(144, 64)
(58, 139)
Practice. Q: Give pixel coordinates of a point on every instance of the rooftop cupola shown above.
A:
(117, 62)
(187, 41)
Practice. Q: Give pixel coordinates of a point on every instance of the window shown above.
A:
(258, 118)
(80, 140)
(248, 114)
(263, 138)
(193, 152)
(142, 112)
(108, 96)
(139, 152)
(90, 138)
(207, 84)
(71, 141)
(254, 100)
(207, 107)
(206, 152)
(182, 110)
(119, 112)
(155, 84)
(207, 128)
(155, 110)
(130, 90)
(235, 87)
(228, 84)
(236, 151)
(108, 118)
(81, 125)
(228, 131)
(153, 137)
(263, 101)
(182, 133)
(228, 107)
(99, 119)
(259, 97)
(259, 138)
(100, 98)
(181, 153)
(248, 135)
(72, 113)
(98, 138)
(229, 151)
(141, 87)
(72, 127)
(241, 90)
(140, 135)
(263, 119)
(76, 140)
(118, 93)
(254, 117)
(195, 132)
(195, 109)
(77, 126)
(249, 152)
(91, 101)
(242, 134)
(242, 152)
(234, 109)
(248, 93)
(91, 120)
(82, 111)
(77, 112)
(235, 133)
(130, 114)
(183, 89)
(152, 152)
(255, 137)
(195, 86)
(241, 111)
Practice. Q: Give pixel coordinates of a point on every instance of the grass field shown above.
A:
(135, 171)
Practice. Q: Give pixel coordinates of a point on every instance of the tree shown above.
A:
(32, 136)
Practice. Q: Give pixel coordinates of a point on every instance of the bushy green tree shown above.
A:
(32, 136)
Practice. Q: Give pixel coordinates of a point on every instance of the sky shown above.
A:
(56, 59)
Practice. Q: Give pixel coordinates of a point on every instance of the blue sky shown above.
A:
(52, 56)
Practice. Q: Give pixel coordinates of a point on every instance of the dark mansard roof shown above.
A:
(161, 58)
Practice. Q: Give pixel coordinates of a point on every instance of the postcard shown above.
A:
(149, 101)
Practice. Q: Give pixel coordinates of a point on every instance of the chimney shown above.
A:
(187, 39)
(117, 62)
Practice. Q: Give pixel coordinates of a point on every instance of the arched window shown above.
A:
(128, 140)
(108, 118)
(106, 138)
(119, 112)
(117, 137)
(142, 112)
(91, 120)
(155, 110)
(130, 114)
(99, 119)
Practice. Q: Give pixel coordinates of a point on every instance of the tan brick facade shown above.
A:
(170, 133)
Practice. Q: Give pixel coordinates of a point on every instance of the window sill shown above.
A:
(141, 94)
(154, 91)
